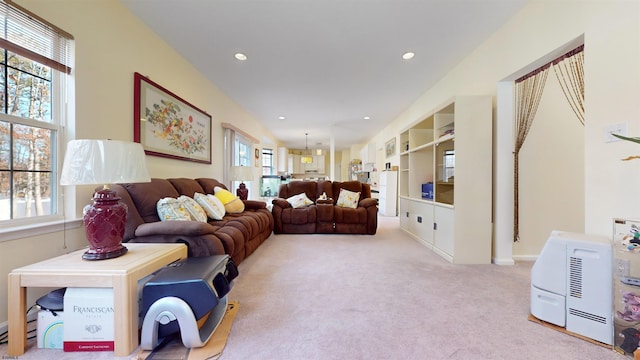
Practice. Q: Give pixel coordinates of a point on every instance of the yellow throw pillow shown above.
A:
(232, 204)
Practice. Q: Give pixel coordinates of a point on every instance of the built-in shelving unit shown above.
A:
(450, 149)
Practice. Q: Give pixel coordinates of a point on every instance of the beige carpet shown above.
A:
(379, 297)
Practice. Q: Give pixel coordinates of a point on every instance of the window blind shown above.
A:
(31, 36)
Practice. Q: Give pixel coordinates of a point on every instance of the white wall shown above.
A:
(551, 172)
(110, 45)
(612, 89)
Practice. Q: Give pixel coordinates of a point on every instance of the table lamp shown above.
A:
(241, 173)
(95, 162)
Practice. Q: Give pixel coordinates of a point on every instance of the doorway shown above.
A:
(551, 175)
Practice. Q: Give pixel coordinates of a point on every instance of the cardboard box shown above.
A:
(88, 324)
(50, 329)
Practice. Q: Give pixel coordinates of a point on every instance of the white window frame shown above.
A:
(61, 96)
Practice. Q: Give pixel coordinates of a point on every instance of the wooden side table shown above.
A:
(70, 270)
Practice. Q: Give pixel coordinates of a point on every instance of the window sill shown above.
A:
(25, 231)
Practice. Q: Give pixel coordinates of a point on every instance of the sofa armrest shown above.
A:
(254, 204)
(203, 245)
(280, 202)
(368, 202)
(175, 227)
(328, 201)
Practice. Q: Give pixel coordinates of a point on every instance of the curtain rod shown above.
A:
(552, 62)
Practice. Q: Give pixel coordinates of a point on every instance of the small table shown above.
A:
(70, 270)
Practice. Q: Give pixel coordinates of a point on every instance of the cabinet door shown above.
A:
(319, 161)
(383, 179)
(404, 214)
(444, 229)
(391, 191)
(424, 221)
(382, 200)
(297, 165)
(283, 159)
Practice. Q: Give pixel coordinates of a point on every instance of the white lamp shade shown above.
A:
(95, 162)
(241, 173)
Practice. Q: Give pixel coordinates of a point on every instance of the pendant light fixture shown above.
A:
(306, 158)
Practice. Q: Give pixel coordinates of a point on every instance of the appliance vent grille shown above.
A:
(575, 277)
(588, 316)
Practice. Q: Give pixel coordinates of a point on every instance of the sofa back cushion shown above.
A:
(145, 196)
(133, 216)
(186, 186)
(297, 187)
(355, 186)
(209, 184)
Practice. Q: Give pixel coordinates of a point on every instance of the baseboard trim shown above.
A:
(503, 262)
(525, 257)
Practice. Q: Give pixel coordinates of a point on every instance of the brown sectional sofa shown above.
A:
(324, 216)
(237, 235)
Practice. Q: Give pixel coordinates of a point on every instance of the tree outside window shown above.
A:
(27, 137)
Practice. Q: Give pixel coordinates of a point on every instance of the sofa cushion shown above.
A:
(186, 186)
(232, 204)
(145, 196)
(299, 200)
(209, 184)
(172, 209)
(211, 205)
(310, 188)
(355, 186)
(133, 216)
(348, 199)
(193, 208)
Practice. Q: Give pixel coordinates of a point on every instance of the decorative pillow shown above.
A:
(348, 199)
(195, 210)
(211, 205)
(232, 204)
(172, 209)
(298, 201)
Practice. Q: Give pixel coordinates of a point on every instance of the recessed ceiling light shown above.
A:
(241, 56)
(366, 118)
(408, 55)
(281, 117)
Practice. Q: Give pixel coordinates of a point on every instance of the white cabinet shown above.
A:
(388, 195)
(368, 154)
(283, 159)
(317, 164)
(451, 148)
(296, 166)
(443, 230)
(417, 220)
(319, 159)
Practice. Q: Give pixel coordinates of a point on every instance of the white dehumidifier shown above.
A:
(571, 284)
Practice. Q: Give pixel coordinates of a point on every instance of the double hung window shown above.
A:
(34, 67)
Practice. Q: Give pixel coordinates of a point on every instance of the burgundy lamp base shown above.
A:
(242, 192)
(104, 223)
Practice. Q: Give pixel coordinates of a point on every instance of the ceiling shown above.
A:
(324, 65)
